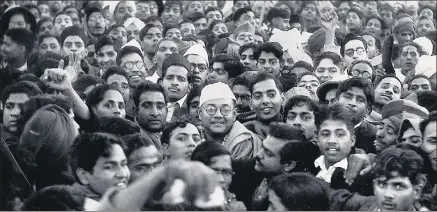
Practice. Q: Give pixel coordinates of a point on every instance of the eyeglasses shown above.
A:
(211, 110)
(202, 67)
(350, 52)
(357, 73)
(224, 172)
(130, 65)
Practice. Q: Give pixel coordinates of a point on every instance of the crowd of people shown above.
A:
(218, 105)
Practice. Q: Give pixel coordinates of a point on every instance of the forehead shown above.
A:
(131, 57)
(120, 28)
(430, 129)
(18, 16)
(116, 78)
(112, 94)
(189, 129)
(49, 40)
(274, 144)
(353, 44)
(167, 43)
(240, 89)
(326, 61)
(308, 78)
(368, 38)
(222, 161)
(373, 20)
(145, 153)
(424, 20)
(200, 20)
(74, 39)
(152, 96)
(174, 30)
(356, 91)
(187, 25)
(123, 4)
(420, 80)
(409, 48)
(265, 85)
(332, 125)
(177, 70)
(214, 12)
(267, 55)
(107, 48)
(391, 81)
(153, 30)
(395, 177)
(300, 108)
(17, 97)
(61, 16)
(116, 154)
(219, 102)
(245, 34)
(95, 14)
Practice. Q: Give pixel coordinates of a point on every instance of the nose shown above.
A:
(154, 111)
(122, 172)
(388, 194)
(380, 134)
(296, 124)
(220, 178)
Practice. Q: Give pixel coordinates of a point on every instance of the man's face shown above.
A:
(12, 110)
(194, 6)
(44, 8)
(281, 23)
(269, 63)
(133, 32)
(311, 83)
(247, 59)
(106, 56)
(18, 21)
(326, 70)
(387, 15)
(409, 57)
(396, 193)
(123, 12)
(374, 27)
(218, 73)
(74, 18)
(119, 33)
(61, 22)
(427, 12)
(222, 165)
(49, 44)
(411, 136)
(157, 23)
(246, 17)
(74, 44)
(386, 135)
(309, 12)
(354, 50)
(362, 70)
(330, 97)
(355, 98)
(174, 33)
(10, 50)
(219, 29)
(240, 4)
(151, 38)
(208, 4)
(182, 142)
(335, 141)
(143, 10)
(287, 59)
(109, 171)
(96, 24)
(171, 15)
(142, 161)
(268, 159)
(91, 56)
(200, 24)
(153, 8)
(187, 29)
(164, 49)
(342, 10)
(46, 28)
(388, 89)
(244, 38)
(193, 111)
(302, 117)
(134, 66)
(420, 84)
(122, 83)
(200, 71)
(429, 143)
(424, 26)
(372, 50)
(112, 104)
(217, 123)
(213, 15)
(175, 83)
(371, 8)
(405, 36)
(266, 100)
(353, 21)
(152, 111)
(242, 94)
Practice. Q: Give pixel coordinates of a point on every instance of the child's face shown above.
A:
(396, 193)
(335, 141)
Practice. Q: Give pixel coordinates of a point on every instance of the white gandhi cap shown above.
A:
(217, 90)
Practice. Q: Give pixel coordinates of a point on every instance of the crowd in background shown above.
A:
(218, 105)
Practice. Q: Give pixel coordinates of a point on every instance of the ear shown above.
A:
(190, 86)
(369, 109)
(353, 140)
(199, 111)
(290, 166)
(159, 81)
(283, 98)
(83, 176)
(419, 187)
(165, 149)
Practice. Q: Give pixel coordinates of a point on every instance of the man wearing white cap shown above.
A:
(218, 115)
(133, 27)
(244, 33)
(198, 58)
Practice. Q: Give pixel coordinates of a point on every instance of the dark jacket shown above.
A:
(365, 135)
(343, 200)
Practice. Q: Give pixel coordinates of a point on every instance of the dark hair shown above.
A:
(240, 12)
(118, 126)
(153, 18)
(147, 86)
(286, 132)
(213, 9)
(127, 50)
(295, 194)
(103, 41)
(170, 3)
(390, 75)
(32, 78)
(383, 24)
(262, 76)
(114, 70)
(386, 6)
(336, 59)
(360, 83)
(300, 100)
(337, 112)
(44, 36)
(418, 76)
(411, 43)
(405, 161)
(136, 141)
(367, 62)
(307, 73)
(303, 64)
(245, 47)
(277, 12)
(85, 81)
(196, 16)
(215, 22)
(58, 14)
(168, 27)
(145, 29)
(427, 99)
(350, 37)
(205, 151)
(194, 92)
(166, 133)
(432, 117)
(26, 87)
(89, 147)
(230, 64)
(241, 80)
(271, 47)
(91, 8)
(358, 11)
(97, 94)
(20, 36)
(43, 20)
(56, 198)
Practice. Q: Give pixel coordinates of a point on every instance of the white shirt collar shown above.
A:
(181, 101)
(23, 67)
(326, 173)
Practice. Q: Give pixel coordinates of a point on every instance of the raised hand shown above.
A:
(329, 20)
(58, 78)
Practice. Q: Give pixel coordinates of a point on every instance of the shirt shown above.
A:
(173, 105)
(326, 174)
(154, 78)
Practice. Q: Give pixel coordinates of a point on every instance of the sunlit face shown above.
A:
(165, 48)
(123, 11)
(335, 141)
(200, 24)
(182, 142)
(133, 32)
(46, 28)
(62, 21)
(49, 44)
(266, 99)
(240, 4)
(374, 27)
(96, 24)
(309, 12)
(12, 110)
(362, 70)
(219, 29)
(248, 60)
(121, 82)
(429, 143)
(112, 104)
(311, 83)
(213, 15)
(269, 63)
(268, 159)
(142, 161)
(326, 70)
(405, 36)
(386, 135)
(353, 21)
(194, 6)
(151, 38)
(200, 69)
(134, 66)
(152, 111)
(106, 56)
(342, 10)
(175, 83)
(420, 84)
(74, 44)
(387, 15)
(354, 50)
(281, 23)
(387, 90)
(409, 57)
(411, 136)
(244, 38)
(171, 14)
(153, 6)
(246, 17)
(424, 26)
(356, 99)
(218, 116)
(142, 10)
(427, 12)
(174, 33)
(188, 29)
(300, 116)
(370, 8)
(119, 33)
(18, 21)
